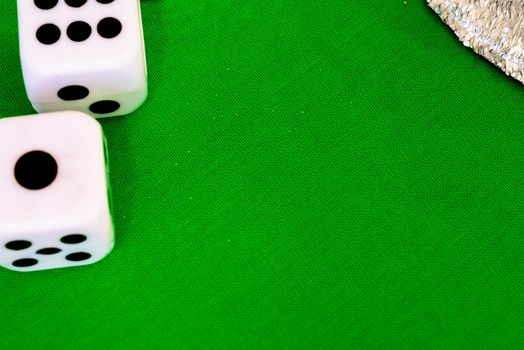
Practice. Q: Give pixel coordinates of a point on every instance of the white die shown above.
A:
(54, 194)
(84, 55)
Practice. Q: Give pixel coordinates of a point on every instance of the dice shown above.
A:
(54, 193)
(83, 55)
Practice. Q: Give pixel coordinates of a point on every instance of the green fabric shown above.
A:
(304, 174)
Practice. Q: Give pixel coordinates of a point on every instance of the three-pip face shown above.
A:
(54, 199)
(85, 55)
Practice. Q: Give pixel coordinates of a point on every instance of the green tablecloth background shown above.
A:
(304, 174)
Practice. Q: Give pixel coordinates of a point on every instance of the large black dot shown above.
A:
(79, 31)
(36, 170)
(48, 34)
(46, 4)
(105, 1)
(104, 107)
(73, 93)
(48, 251)
(78, 256)
(25, 262)
(75, 3)
(109, 27)
(18, 245)
(73, 239)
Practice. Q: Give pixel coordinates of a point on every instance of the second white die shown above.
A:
(85, 55)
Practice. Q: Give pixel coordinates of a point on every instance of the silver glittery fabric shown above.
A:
(493, 28)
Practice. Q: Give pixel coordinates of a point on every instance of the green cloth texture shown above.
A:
(304, 175)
